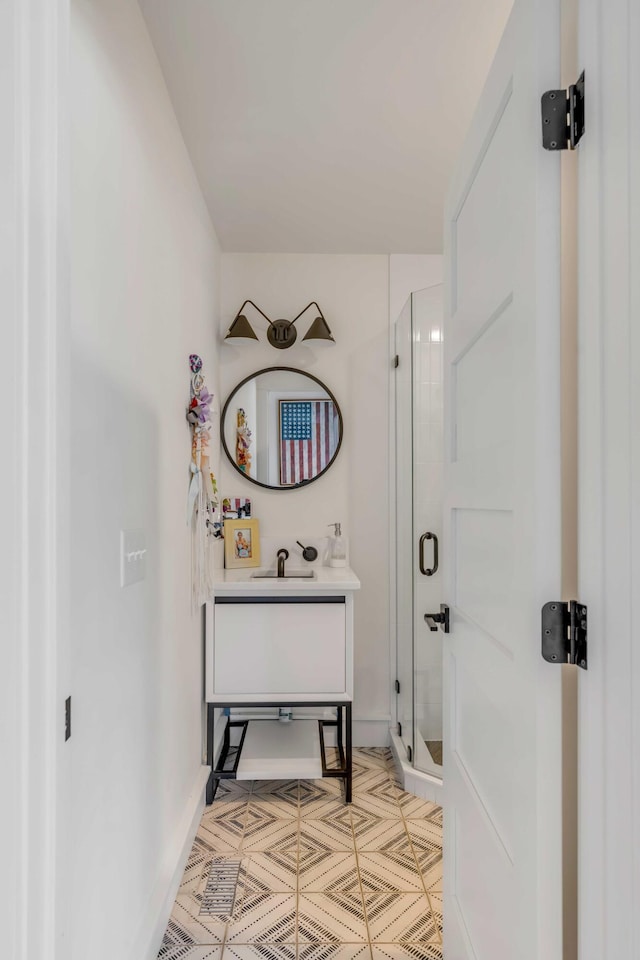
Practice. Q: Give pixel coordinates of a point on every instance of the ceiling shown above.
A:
(325, 126)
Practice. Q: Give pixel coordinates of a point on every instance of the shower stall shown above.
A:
(418, 518)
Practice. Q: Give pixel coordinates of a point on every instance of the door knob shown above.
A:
(435, 620)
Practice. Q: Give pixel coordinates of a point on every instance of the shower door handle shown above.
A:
(435, 620)
(428, 572)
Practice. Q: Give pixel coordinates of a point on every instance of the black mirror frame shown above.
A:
(258, 483)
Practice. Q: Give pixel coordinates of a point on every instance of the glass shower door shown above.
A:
(418, 477)
(404, 528)
(428, 455)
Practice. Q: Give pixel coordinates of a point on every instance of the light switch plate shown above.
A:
(133, 557)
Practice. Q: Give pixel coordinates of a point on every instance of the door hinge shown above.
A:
(563, 116)
(409, 754)
(397, 686)
(564, 633)
(396, 361)
(67, 719)
(399, 729)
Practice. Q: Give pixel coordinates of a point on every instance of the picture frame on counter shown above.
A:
(241, 543)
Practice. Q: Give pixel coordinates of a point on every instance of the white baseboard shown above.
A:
(414, 781)
(371, 733)
(154, 923)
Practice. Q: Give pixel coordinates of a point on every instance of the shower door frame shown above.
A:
(420, 760)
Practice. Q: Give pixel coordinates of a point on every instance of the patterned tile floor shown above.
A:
(285, 870)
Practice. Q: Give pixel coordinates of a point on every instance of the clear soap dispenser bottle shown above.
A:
(337, 548)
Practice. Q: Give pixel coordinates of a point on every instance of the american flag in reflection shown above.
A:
(308, 438)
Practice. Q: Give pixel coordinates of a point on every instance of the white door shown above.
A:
(502, 766)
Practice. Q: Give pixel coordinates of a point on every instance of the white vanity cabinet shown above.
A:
(270, 647)
(280, 642)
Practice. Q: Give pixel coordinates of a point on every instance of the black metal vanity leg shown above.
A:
(349, 757)
(340, 737)
(212, 783)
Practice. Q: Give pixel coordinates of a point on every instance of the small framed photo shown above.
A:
(241, 543)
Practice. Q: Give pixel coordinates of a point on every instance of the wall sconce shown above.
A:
(281, 334)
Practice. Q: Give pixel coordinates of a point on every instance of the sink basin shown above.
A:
(290, 575)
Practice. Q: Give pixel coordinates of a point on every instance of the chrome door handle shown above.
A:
(428, 571)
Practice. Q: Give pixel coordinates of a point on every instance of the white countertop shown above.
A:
(327, 580)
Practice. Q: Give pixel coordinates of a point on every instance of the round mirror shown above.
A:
(281, 428)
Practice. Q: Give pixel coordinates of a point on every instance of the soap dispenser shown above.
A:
(337, 548)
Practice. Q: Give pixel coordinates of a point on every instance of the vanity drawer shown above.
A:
(279, 647)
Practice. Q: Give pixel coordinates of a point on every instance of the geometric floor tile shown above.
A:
(285, 789)
(272, 872)
(415, 808)
(320, 799)
(390, 872)
(233, 807)
(229, 791)
(407, 951)
(371, 833)
(266, 917)
(269, 834)
(378, 797)
(327, 917)
(430, 863)
(424, 833)
(435, 899)
(269, 805)
(334, 951)
(192, 925)
(322, 871)
(198, 865)
(222, 835)
(330, 834)
(190, 953)
(260, 951)
(277, 798)
(365, 774)
(400, 917)
(380, 756)
(285, 870)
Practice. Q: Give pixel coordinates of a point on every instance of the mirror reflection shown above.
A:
(281, 428)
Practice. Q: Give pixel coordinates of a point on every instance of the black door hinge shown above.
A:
(409, 754)
(396, 361)
(397, 686)
(563, 117)
(399, 729)
(564, 633)
(67, 718)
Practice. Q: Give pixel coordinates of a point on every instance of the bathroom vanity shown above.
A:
(273, 642)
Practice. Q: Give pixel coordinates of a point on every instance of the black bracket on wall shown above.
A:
(564, 633)
(563, 116)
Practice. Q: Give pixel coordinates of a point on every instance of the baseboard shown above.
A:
(414, 781)
(371, 733)
(154, 923)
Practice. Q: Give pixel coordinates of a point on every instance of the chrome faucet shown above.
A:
(282, 556)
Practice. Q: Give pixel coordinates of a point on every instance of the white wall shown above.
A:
(353, 292)
(144, 296)
(409, 272)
